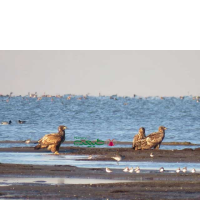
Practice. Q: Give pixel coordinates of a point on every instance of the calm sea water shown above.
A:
(100, 117)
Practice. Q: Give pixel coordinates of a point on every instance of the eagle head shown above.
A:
(62, 128)
(162, 129)
(142, 130)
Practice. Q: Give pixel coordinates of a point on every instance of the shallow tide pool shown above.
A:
(74, 160)
(55, 181)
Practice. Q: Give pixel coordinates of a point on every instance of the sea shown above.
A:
(101, 117)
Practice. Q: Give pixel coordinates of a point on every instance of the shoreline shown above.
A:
(149, 184)
(118, 142)
(105, 154)
(139, 186)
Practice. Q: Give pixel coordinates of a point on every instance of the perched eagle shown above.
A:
(153, 140)
(52, 141)
(139, 136)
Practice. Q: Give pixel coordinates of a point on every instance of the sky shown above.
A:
(144, 73)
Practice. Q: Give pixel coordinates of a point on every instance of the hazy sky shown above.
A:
(145, 73)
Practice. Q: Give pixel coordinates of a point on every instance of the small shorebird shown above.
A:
(130, 170)
(117, 158)
(137, 168)
(162, 169)
(108, 170)
(27, 141)
(89, 157)
(151, 155)
(193, 170)
(184, 169)
(126, 169)
(178, 170)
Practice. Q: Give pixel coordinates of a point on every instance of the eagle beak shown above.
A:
(165, 128)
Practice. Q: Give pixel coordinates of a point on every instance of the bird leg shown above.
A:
(56, 153)
(157, 147)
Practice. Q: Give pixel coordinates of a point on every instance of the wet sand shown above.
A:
(185, 155)
(146, 185)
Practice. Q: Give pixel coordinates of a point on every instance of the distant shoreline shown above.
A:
(91, 95)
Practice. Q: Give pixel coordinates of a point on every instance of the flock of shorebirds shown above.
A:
(126, 169)
(137, 169)
(80, 97)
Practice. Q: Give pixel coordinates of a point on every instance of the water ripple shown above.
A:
(100, 117)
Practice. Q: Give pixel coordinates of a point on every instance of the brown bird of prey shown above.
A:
(139, 136)
(153, 140)
(52, 141)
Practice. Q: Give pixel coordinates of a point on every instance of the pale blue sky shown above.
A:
(145, 73)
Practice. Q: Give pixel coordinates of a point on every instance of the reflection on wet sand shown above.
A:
(83, 162)
(56, 181)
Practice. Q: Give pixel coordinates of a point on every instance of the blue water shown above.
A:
(100, 117)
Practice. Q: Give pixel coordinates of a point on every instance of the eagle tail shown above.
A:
(37, 147)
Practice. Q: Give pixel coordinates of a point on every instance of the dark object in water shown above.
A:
(21, 122)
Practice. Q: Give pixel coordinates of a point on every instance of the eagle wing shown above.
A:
(50, 139)
(135, 140)
(152, 140)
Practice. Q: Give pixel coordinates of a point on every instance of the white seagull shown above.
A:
(162, 169)
(117, 158)
(131, 170)
(178, 170)
(137, 171)
(126, 169)
(193, 170)
(137, 168)
(151, 155)
(184, 169)
(108, 170)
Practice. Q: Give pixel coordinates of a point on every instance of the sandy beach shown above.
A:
(149, 184)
